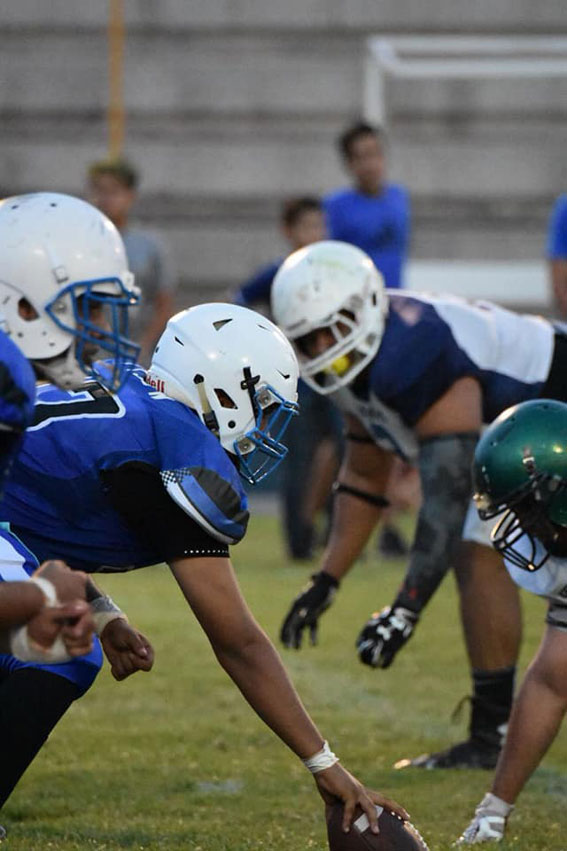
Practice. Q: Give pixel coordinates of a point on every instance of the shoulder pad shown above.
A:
(210, 500)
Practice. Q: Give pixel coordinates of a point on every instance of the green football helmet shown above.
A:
(520, 472)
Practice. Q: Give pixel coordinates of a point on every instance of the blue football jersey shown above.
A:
(58, 497)
(429, 343)
(17, 396)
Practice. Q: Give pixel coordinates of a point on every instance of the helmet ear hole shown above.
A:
(26, 310)
(224, 398)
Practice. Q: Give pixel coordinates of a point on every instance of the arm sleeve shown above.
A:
(557, 232)
(138, 494)
(445, 464)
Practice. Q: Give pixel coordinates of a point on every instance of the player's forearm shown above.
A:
(534, 723)
(257, 670)
(354, 520)
(445, 468)
(19, 601)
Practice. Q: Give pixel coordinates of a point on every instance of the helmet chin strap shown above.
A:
(61, 370)
(209, 416)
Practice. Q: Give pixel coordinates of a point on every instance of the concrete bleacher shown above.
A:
(234, 104)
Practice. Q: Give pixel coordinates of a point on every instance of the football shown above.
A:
(395, 833)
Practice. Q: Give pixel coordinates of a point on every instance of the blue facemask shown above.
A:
(273, 415)
(113, 340)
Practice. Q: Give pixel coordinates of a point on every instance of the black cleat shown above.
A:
(473, 753)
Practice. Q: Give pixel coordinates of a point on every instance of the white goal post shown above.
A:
(466, 58)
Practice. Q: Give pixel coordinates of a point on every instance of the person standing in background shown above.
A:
(557, 254)
(375, 216)
(301, 223)
(113, 188)
(372, 214)
(314, 437)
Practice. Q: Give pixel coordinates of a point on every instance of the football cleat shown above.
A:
(472, 753)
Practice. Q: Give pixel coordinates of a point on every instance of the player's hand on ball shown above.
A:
(384, 635)
(337, 783)
(306, 609)
(126, 649)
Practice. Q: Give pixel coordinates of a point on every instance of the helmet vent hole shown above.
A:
(224, 399)
(231, 424)
(220, 323)
(177, 340)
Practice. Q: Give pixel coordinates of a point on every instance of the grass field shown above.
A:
(176, 760)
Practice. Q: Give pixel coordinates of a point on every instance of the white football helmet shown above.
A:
(335, 286)
(238, 372)
(62, 264)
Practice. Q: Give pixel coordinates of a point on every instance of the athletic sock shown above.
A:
(491, 704)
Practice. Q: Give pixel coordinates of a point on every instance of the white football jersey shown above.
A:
(429, 343)
(549, 581)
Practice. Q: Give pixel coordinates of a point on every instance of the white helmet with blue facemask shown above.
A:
(65, 288)
(238, 372)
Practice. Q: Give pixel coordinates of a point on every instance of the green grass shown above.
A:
(176, 760)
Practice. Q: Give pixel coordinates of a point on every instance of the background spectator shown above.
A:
(557, 254)
(112, 187)
(301, 223)
(313, 437)
(373, 215)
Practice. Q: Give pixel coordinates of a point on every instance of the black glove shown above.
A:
(384, 634)
(306, 608)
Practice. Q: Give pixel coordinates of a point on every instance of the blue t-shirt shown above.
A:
(259, 287)
(557, 231)
(378, 224)
(57, 497)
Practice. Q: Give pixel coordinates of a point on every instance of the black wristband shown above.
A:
(323, 578)
(374, 499)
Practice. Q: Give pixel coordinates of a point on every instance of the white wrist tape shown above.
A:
(321, 760)
(104, 610)
(27, 650)
(48, 589)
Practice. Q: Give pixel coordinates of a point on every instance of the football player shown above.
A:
(65, 289)
(416, 376)
(520, 475)
(115, 482)
(25, 601)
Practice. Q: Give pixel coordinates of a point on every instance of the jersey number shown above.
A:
(91, 401)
